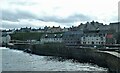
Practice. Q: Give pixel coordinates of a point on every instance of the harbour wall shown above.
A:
(81, 54)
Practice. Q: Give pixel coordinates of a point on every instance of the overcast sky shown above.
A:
(64, 13)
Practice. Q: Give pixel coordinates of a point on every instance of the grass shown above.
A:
(29, 35)
(26, 35)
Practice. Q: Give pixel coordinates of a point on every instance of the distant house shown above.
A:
(10, 31)
(41, 30)
(72, 38)
(97, 37)
(54, 29)
(37, 30)
(65, 29)
(51, 38)
(5, 38)
(25, 29)
(73, 28)
(46, 28)
(93, 26)
(93, 37)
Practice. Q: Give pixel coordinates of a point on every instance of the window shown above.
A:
(92, 42)
(89, 35)
(101, 38)
(99, 42)
(103, 34)
(83, 37)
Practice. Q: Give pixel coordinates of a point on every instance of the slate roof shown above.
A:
(93, 26)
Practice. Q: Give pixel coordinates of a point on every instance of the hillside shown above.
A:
(29, 35)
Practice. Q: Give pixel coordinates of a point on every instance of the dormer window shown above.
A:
(46, 36)
(55, 35)
(61, 35)
(98, 28)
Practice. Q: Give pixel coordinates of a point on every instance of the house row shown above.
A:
(46, 29)
(86, 26)
(98, 37)
(96, 25)
(72, 38)
(55, 29)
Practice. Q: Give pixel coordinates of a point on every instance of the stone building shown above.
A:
(93, 26)
(93, 37)
(72, 38)
(65, 29)
(51, 38)
(54, 29)
(98, 37)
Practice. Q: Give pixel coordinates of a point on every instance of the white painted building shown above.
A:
(5, 38)
(48, 38)
(94, 37)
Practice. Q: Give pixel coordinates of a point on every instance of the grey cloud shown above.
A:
(22, 3)
(9, 25)
(14, 16)
(114, 18)
(80, 17)
(69, 19)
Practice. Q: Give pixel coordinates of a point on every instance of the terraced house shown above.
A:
(94, 37)
(51, 38)
(88, 38)
(72, 38)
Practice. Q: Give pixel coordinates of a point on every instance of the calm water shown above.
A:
(14, 60)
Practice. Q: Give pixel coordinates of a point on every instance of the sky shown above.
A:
(64, 13)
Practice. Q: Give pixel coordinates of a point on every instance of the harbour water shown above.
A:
(16, 60)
